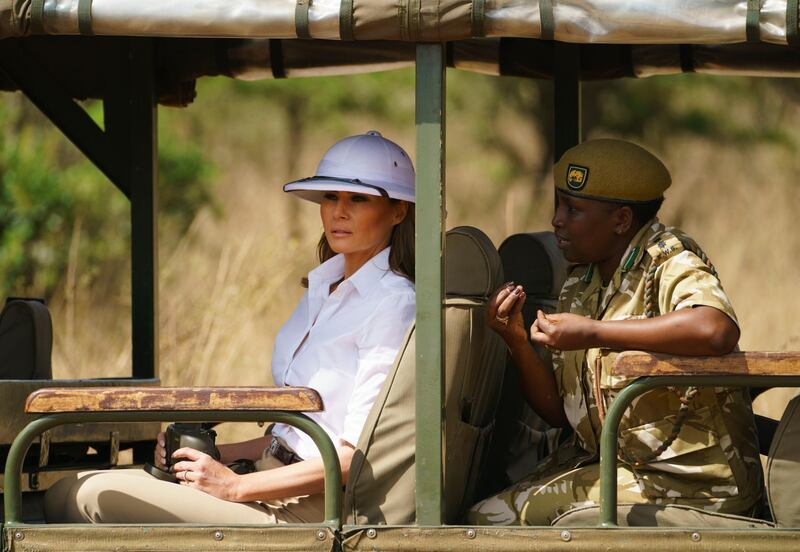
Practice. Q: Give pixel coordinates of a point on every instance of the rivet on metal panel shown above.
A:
(321, 535)
(219, 535)
(471, 534)
(696, 537)
(19, 535)
(566, 536)
(372, 533)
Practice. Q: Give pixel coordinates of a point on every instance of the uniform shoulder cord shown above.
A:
(651, 311)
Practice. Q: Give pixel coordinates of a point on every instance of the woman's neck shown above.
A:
(354, 261)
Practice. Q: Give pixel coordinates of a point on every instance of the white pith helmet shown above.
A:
(365, 163)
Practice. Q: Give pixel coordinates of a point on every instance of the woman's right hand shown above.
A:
(504, 313)
(160, 454)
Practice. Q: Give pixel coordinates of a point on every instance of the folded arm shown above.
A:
(700, 330)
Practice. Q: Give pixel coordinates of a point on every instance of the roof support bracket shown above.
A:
(126, 152)
(63, 111)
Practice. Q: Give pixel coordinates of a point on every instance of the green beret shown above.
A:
(611, 170)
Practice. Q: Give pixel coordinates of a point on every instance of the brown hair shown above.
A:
(401, 257)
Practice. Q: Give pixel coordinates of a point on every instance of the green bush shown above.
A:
(54, 201)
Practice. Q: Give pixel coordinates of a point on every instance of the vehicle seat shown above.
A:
(381, 483)
(783, 487)
(522, 439)
(26, 340)
(26, 343)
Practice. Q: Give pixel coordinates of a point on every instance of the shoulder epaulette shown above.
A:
(667, 246)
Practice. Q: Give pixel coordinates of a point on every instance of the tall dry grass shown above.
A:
(229, 283)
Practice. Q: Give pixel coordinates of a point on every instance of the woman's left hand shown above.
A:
(564, 331)
(203, 472)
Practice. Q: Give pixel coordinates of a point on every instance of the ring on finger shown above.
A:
(502, 320)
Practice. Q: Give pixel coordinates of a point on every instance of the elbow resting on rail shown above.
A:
(721, 334)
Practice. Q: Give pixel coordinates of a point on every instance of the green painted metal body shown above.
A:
(429, 335)
(165, 538)
(130, 538)
(333, 473)
(559, 539)
(609, 435)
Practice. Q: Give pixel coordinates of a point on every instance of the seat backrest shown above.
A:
(26, 340)
(533, 261)
(381, 485)
(783, 485)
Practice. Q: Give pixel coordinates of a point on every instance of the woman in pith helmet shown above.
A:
(341, 340)
(635, 285)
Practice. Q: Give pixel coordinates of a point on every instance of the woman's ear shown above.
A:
(400, 211)
(624, 220)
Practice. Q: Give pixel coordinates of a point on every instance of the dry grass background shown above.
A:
(229, 283)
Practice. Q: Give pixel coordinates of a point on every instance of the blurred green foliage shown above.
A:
(53, 202)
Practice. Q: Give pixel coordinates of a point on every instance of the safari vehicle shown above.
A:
(137, 55)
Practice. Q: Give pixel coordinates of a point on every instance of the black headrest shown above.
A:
(26, 340)
(534, 261)
(472, 265)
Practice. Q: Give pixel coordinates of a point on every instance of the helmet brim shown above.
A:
(313, 189)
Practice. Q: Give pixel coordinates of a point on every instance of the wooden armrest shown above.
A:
(127, 399)
(637, 363)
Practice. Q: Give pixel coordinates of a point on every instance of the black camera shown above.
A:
(179, 435)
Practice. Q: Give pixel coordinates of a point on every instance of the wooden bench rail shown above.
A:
(143, 399)
(637, 363)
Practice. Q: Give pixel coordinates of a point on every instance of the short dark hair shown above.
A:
(643, 212)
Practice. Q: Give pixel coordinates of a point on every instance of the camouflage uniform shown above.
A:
(713, 463)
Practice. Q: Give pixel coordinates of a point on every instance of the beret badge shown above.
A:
(577, 177)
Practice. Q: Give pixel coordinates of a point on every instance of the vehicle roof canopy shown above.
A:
(578, 21)
(616, 38)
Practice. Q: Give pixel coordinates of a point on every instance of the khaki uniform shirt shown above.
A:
(715, 457)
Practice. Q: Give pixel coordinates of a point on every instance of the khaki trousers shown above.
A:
(539, 502)
(134, 496)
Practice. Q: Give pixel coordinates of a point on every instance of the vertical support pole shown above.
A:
(567, 97)
(144, 208)
(429, 335)
(131, 121)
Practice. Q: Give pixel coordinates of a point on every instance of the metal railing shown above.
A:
(23, 441)
(610, 434)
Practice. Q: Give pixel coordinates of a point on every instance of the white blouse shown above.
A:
(354, 335)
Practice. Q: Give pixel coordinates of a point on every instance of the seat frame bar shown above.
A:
(333, 473)
(610, 434)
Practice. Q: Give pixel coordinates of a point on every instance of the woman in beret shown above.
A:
(639, 285)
